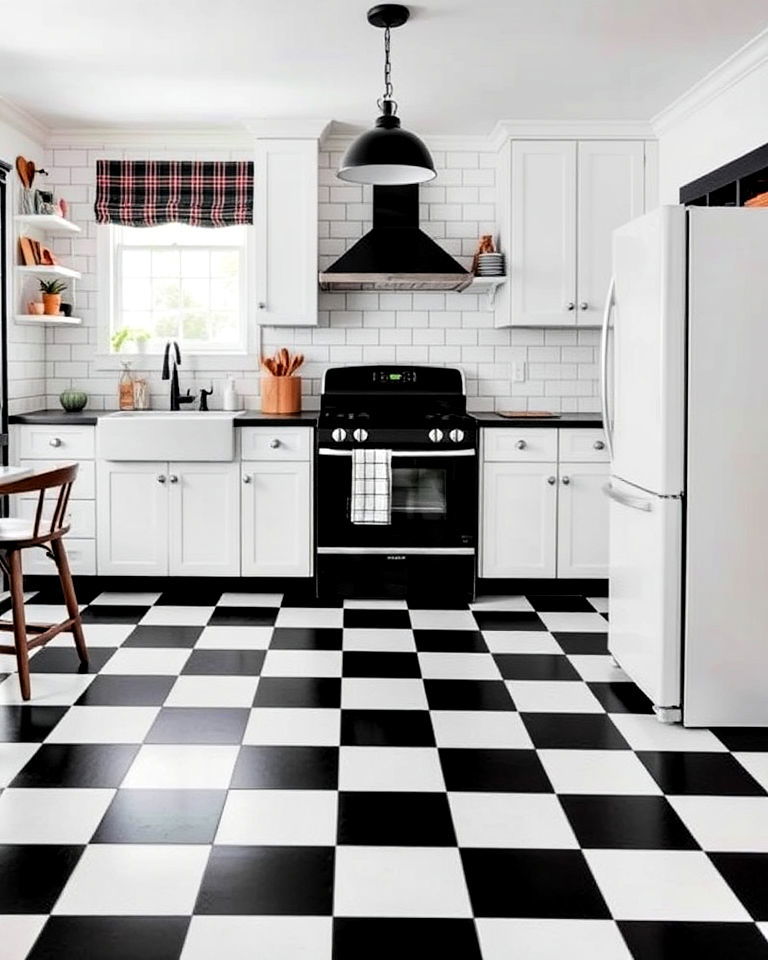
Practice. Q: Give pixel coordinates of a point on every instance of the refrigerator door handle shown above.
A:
(610, 300)
(636, 503)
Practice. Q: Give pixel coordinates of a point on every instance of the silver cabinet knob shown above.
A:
(274, 443)
(551, 481)
(571, 305)
(173, 478)
(360, 435)
(566, 480)
(456, 436)
(247, 478)
(583, 305)
(521, 445)
(261, 305)
(161, 478)
(435, 435)
(339, 435)
(54, 442)
(599, 445)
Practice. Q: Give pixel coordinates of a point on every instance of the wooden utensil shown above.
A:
(23, 171)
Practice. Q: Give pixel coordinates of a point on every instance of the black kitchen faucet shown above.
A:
(176, 398)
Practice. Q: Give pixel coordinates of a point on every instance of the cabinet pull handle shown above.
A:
(173, 478)
(566, 480)
(583, 305)
(247, 478)
(161, 478)
(599, 445)
(521, 444)
(261, 305)
(551, 481)
(571, 305)
(54, 442)
(274, 443)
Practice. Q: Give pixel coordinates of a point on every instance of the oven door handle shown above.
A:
(331, 452)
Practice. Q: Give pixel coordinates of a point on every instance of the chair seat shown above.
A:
(16, 528)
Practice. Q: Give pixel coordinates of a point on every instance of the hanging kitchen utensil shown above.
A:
(22, 170)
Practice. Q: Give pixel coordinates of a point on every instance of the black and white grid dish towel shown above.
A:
(371, 486)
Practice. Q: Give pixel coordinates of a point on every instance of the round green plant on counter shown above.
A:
(73, 400)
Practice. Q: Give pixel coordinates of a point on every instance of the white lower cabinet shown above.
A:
(277, 518)
(132, 518)
(204, 519)
(582, 521)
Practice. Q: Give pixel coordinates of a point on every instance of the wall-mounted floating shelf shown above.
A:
(40, 319)
(487, 285)
(47, 222)
(46, 271)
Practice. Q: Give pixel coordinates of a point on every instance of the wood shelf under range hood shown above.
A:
(412, 282)
(47, 222)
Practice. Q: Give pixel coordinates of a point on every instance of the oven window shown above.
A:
(419, 493)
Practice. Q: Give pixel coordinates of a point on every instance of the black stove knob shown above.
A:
(456, 436)
(435, 435)
(360, 435)
(339, 435)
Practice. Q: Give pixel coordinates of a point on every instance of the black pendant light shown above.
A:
(387, 155)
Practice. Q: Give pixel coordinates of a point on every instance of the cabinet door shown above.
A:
(277, 519)
(204, 519)
(582, 524)
(611, 192)
(542, 254)
(132, 518)
(286, 231)
(518, 524)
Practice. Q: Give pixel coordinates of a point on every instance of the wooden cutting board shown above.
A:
(532, 414)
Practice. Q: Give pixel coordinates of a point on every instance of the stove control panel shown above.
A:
(394, 376)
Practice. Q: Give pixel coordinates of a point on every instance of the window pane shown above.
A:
(137, 294)
(225, 263)
(195, 293)
(195, 325)
(225, 294)
(165, 263)
(136, 263)
(195, 263)
(166, 324)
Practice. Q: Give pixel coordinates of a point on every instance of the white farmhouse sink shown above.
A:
(166, 435)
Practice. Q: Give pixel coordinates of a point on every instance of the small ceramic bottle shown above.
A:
(125, 389)
(230, 395)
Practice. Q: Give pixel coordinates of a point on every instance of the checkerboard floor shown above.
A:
(261, 775)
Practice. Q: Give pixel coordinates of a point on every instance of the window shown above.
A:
(182, 283)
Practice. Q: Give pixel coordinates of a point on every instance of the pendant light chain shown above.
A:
(388, 89)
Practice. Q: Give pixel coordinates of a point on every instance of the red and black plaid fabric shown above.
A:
(145, 193)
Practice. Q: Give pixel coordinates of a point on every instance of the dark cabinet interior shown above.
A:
(732, 185)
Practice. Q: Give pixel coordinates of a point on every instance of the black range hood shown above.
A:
(395, 254)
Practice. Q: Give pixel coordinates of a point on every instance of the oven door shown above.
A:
(434, 504)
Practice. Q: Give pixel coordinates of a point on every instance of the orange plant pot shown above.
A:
(51, 304)
(280, 394)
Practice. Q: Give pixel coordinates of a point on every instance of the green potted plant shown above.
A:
(52, 291)
(135, 335)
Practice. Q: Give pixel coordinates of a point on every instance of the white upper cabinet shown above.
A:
(285, 224)
(560, 201)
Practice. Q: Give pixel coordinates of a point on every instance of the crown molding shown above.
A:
(569, 130)
(290, 128)
(191, 138)
(744, 61)
(23, 122)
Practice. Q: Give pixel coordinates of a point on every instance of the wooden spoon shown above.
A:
(21, 169)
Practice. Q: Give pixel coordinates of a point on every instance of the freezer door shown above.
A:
(644, 632)
(648, 333)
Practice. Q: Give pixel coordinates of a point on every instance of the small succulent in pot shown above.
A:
(73, 400)
(52, 291)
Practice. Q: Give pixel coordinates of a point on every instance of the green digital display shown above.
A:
(395, 376)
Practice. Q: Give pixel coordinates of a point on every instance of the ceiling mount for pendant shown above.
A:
(388, 15)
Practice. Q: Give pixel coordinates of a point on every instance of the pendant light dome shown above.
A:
(387, 155)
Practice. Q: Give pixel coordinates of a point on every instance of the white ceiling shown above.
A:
(458, 65)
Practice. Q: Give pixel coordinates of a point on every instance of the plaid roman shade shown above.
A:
(145, 193)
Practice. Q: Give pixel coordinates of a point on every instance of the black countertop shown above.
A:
(561, 420)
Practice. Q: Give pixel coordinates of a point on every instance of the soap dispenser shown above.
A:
(230, 395)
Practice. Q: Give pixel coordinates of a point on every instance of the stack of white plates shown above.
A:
(490, 265)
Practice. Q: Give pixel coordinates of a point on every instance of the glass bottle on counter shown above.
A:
(125, 388)
(140, 393)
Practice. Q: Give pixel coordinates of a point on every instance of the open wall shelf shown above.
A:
(731, 185)
(41, 319)
(55, 271)
(46, 222)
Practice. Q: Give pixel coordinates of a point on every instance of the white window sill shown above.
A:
(189, 361)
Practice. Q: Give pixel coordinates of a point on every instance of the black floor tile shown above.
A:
(119, 938)
(508, 620)
(468, 695)
(494, 770)
(28, 724)
(573, 731)
(225, 663)
(66, 660)
(535, 666)
(378, 619)
(543, 883)
(77, 765)
(105, 613)
(118, 690)
(395, 819)
(286, 768)
(747, 739)
(661, 940)
(162, 636)
(305, 597)
(621, 697)
(243, 617)
(197, 595)
(386, 728)
(626, 823)
(450, 641)
(747, 876)
(407, 938)
(161, 816)
(306, 638)
(580, 643)
(293, 881)
(560, 603)
(364, 664)
(52, 593)
(199, 725)
(33, 876)
(298, 692)
(700, 773)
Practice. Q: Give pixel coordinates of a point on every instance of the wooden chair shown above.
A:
(17, 534)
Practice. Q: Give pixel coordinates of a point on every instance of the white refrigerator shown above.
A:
(685, 404)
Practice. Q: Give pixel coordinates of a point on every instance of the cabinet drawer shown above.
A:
(69, 443)
(276, 443)
(583, 446)
(81, 554)
(84, 487)
(81, 515)
(525, 445)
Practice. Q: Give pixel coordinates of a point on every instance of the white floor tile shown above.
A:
(177, 616)
(268, 938)
(553, 696)
(597, 772)
(400, 882)
(502, 604)
(42, 613)
(387, 641)
(18, 933)
(51, 815)
(383, 693)
(292, 818)
(598, 669)
(458, 666)
(120, 598)
(234, 638)
(517, 820)
(307, 726)
(386, 769)
(149, 661)
(8, 662)
(212, 691)
(48, 689)
(14, 756)
(302, 663)
(442, 620)
(757, 765)
(726, 824)
(310, 617)
(97, 635)
(103, 725)
(663, 885)
(479, 729)
(269, 600)
(132, 879)
(543, 939)
(521, 641)
(599, 603)
(574, 622)
(645, 732)
(373, 604)
(763, 928)
(182, 766)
